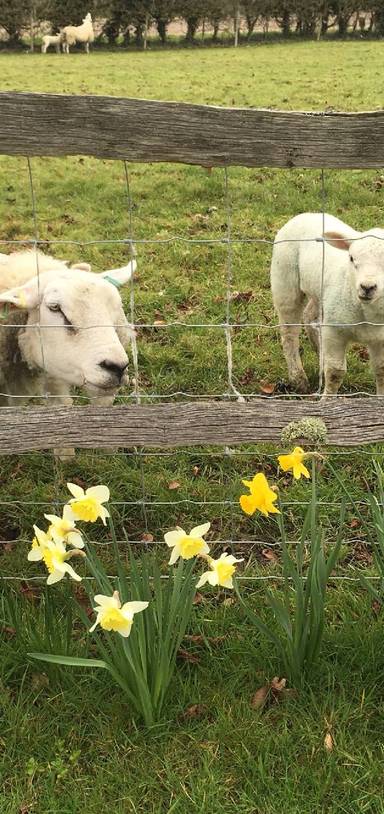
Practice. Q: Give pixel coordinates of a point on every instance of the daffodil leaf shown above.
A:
(69, 661)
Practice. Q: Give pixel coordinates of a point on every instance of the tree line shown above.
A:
(125, 21)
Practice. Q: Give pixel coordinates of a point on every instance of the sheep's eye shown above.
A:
(351, 258)
(56, 308)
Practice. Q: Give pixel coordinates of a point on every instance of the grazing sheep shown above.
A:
(69, 330)
(52, 39)
(353, 293)
(78, 33)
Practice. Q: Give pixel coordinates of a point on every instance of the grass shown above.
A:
(68, 742)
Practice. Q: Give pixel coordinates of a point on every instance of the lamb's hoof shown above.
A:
(300, 385)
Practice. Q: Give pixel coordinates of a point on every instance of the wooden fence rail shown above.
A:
(138, 130)
(149, 131)
(349, 422)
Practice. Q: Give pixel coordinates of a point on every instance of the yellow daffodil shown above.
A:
(112, 615)
(186, 545)
(221, 571)
(88, 505)
(261, 496)
(294, 461)
(54, 555)
(64, 529)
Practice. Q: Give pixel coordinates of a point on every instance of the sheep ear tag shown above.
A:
(24, 297)
(121, 276)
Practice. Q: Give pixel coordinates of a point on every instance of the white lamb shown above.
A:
(353, 293)
(62, 328)
(78, 33)
(51, 39)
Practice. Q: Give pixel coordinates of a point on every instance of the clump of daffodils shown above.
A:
(62, 541)
(186, 546)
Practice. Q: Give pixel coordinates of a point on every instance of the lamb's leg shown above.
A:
(87, 47)
(376, 355)
(310, 318)
(290, 328)
(334, 348)
(60, 396)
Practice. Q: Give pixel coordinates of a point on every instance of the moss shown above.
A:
(310, 429)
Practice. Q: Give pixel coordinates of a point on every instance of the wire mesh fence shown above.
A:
(146, 503)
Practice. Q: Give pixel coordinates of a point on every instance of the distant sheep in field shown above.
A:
(353, 294)
(78, 33)
(51, 39)
(68, 329)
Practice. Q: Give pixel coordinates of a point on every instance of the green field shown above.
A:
(69, 743)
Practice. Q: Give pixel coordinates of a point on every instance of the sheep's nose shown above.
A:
(367, 290)
(113, 368)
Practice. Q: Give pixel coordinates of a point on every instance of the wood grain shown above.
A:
(138, 130)
(349, 422)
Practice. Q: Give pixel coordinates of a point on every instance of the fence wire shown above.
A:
(133, 243)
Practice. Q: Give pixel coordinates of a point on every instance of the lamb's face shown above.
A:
(76, 329)
(365, 261)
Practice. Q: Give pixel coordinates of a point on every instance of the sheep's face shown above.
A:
(366, 261)
(76, 329)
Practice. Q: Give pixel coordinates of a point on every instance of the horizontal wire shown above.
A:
(173, 239)
(185, 501)
(266, 543)
(273, 326)
(256, 578)
(228, 452)
(218, 397)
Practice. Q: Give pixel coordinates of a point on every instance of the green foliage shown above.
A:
(142, 664)
(300, 614)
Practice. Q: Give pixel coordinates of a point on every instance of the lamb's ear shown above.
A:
(24, 296)
(82, 266)
(121, 276)
(340, 241)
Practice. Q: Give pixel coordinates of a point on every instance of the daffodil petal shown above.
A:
(173, 537)
(100, 493)
(203, 579)
(35, 555)
(134, 607)
(199, 531)
(69, 570)
(56, 576)
(175, 555)
(106, 601)
(75, 539)
(75, 490)
(247, 504)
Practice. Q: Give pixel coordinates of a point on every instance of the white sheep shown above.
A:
(78, 33)
(346, 271)
(51, 39)
(61, 328)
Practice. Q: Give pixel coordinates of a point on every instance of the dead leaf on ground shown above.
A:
(267, 387)
(242, 296)
(39, 680)
(272, 692)
(355, 523)
(328, 742)
(195, 711)
(197, 638)
(198, 599)
(376, 607)
(259, 698)
(174, 484)
(270, 555)
(195, 470)
(147, 537)
(30, 593)
(25, 809)
(229, 600)
(185, 655)
(10, 631)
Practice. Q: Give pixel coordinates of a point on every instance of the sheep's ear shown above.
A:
(339, 241)
(82, 266)
(25, 296)
(121, 276)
